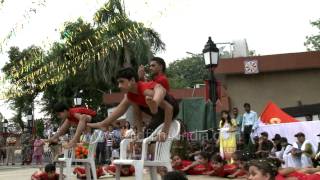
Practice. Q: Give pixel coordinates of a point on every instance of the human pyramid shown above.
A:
(150, 97)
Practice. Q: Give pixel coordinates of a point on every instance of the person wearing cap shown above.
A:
(301, 153)
(276, 145)
(265, 146)
(285, 151)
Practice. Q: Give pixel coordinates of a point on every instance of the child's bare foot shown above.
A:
(70, 145)
(152, 105)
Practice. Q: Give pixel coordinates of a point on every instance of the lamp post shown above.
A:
(30, 121)
(211, 58)
(77, 100)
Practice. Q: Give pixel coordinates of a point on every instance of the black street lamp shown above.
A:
(5, 125)
(77, 100)
(211, 58)
(30, 120)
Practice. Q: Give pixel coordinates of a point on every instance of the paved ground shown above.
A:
(24, 173)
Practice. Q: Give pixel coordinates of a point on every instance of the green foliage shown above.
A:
(313, 42)
(114, 41)
(225, 55)
(187, 72)
(86, 58)
(22, 104)
(39, 126)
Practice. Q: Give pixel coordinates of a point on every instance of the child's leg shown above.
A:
(80, 128)
(153, 106)
(137, 115)
(41, 159)
(38, 159)
(154, 98)
(168, 115)
(35, 157)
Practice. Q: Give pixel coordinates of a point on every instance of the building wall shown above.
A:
(283, 88)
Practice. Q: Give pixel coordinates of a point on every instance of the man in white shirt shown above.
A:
(101, 147)
(285, 151)
(301, 153)
(249, 122)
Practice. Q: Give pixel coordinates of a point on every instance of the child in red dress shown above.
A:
(125, 170)
(178, 164)
(49, 174)
(236, 169)
(78, 116)
(81, 172)
(217, 166)
(200, 166)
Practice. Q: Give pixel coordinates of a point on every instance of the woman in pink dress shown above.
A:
(38, 150)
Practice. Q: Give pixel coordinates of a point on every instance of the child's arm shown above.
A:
(83, 119)
(63, 129)
(111, 172)
(195, 153)
(235, 174)
(190, 166)
(210, 173)
(36, 175)
(141, 73)
(118, 112)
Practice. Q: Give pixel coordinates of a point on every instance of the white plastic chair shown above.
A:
(69, 158)
(161, 155)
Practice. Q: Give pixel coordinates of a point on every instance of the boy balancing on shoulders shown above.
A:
(148, 97)
(78, 116)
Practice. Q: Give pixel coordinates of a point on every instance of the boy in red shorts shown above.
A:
(148, 97)
(78, 116)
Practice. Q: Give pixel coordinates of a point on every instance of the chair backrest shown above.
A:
(162, 151)
(69, 153)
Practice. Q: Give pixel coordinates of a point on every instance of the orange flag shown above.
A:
(272, 114)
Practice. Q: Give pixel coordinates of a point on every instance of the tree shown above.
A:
(86, 57)
(225, 55)
(187, 72)
(22, 103)
(313, 42)
(39, 127)
(114, 41)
